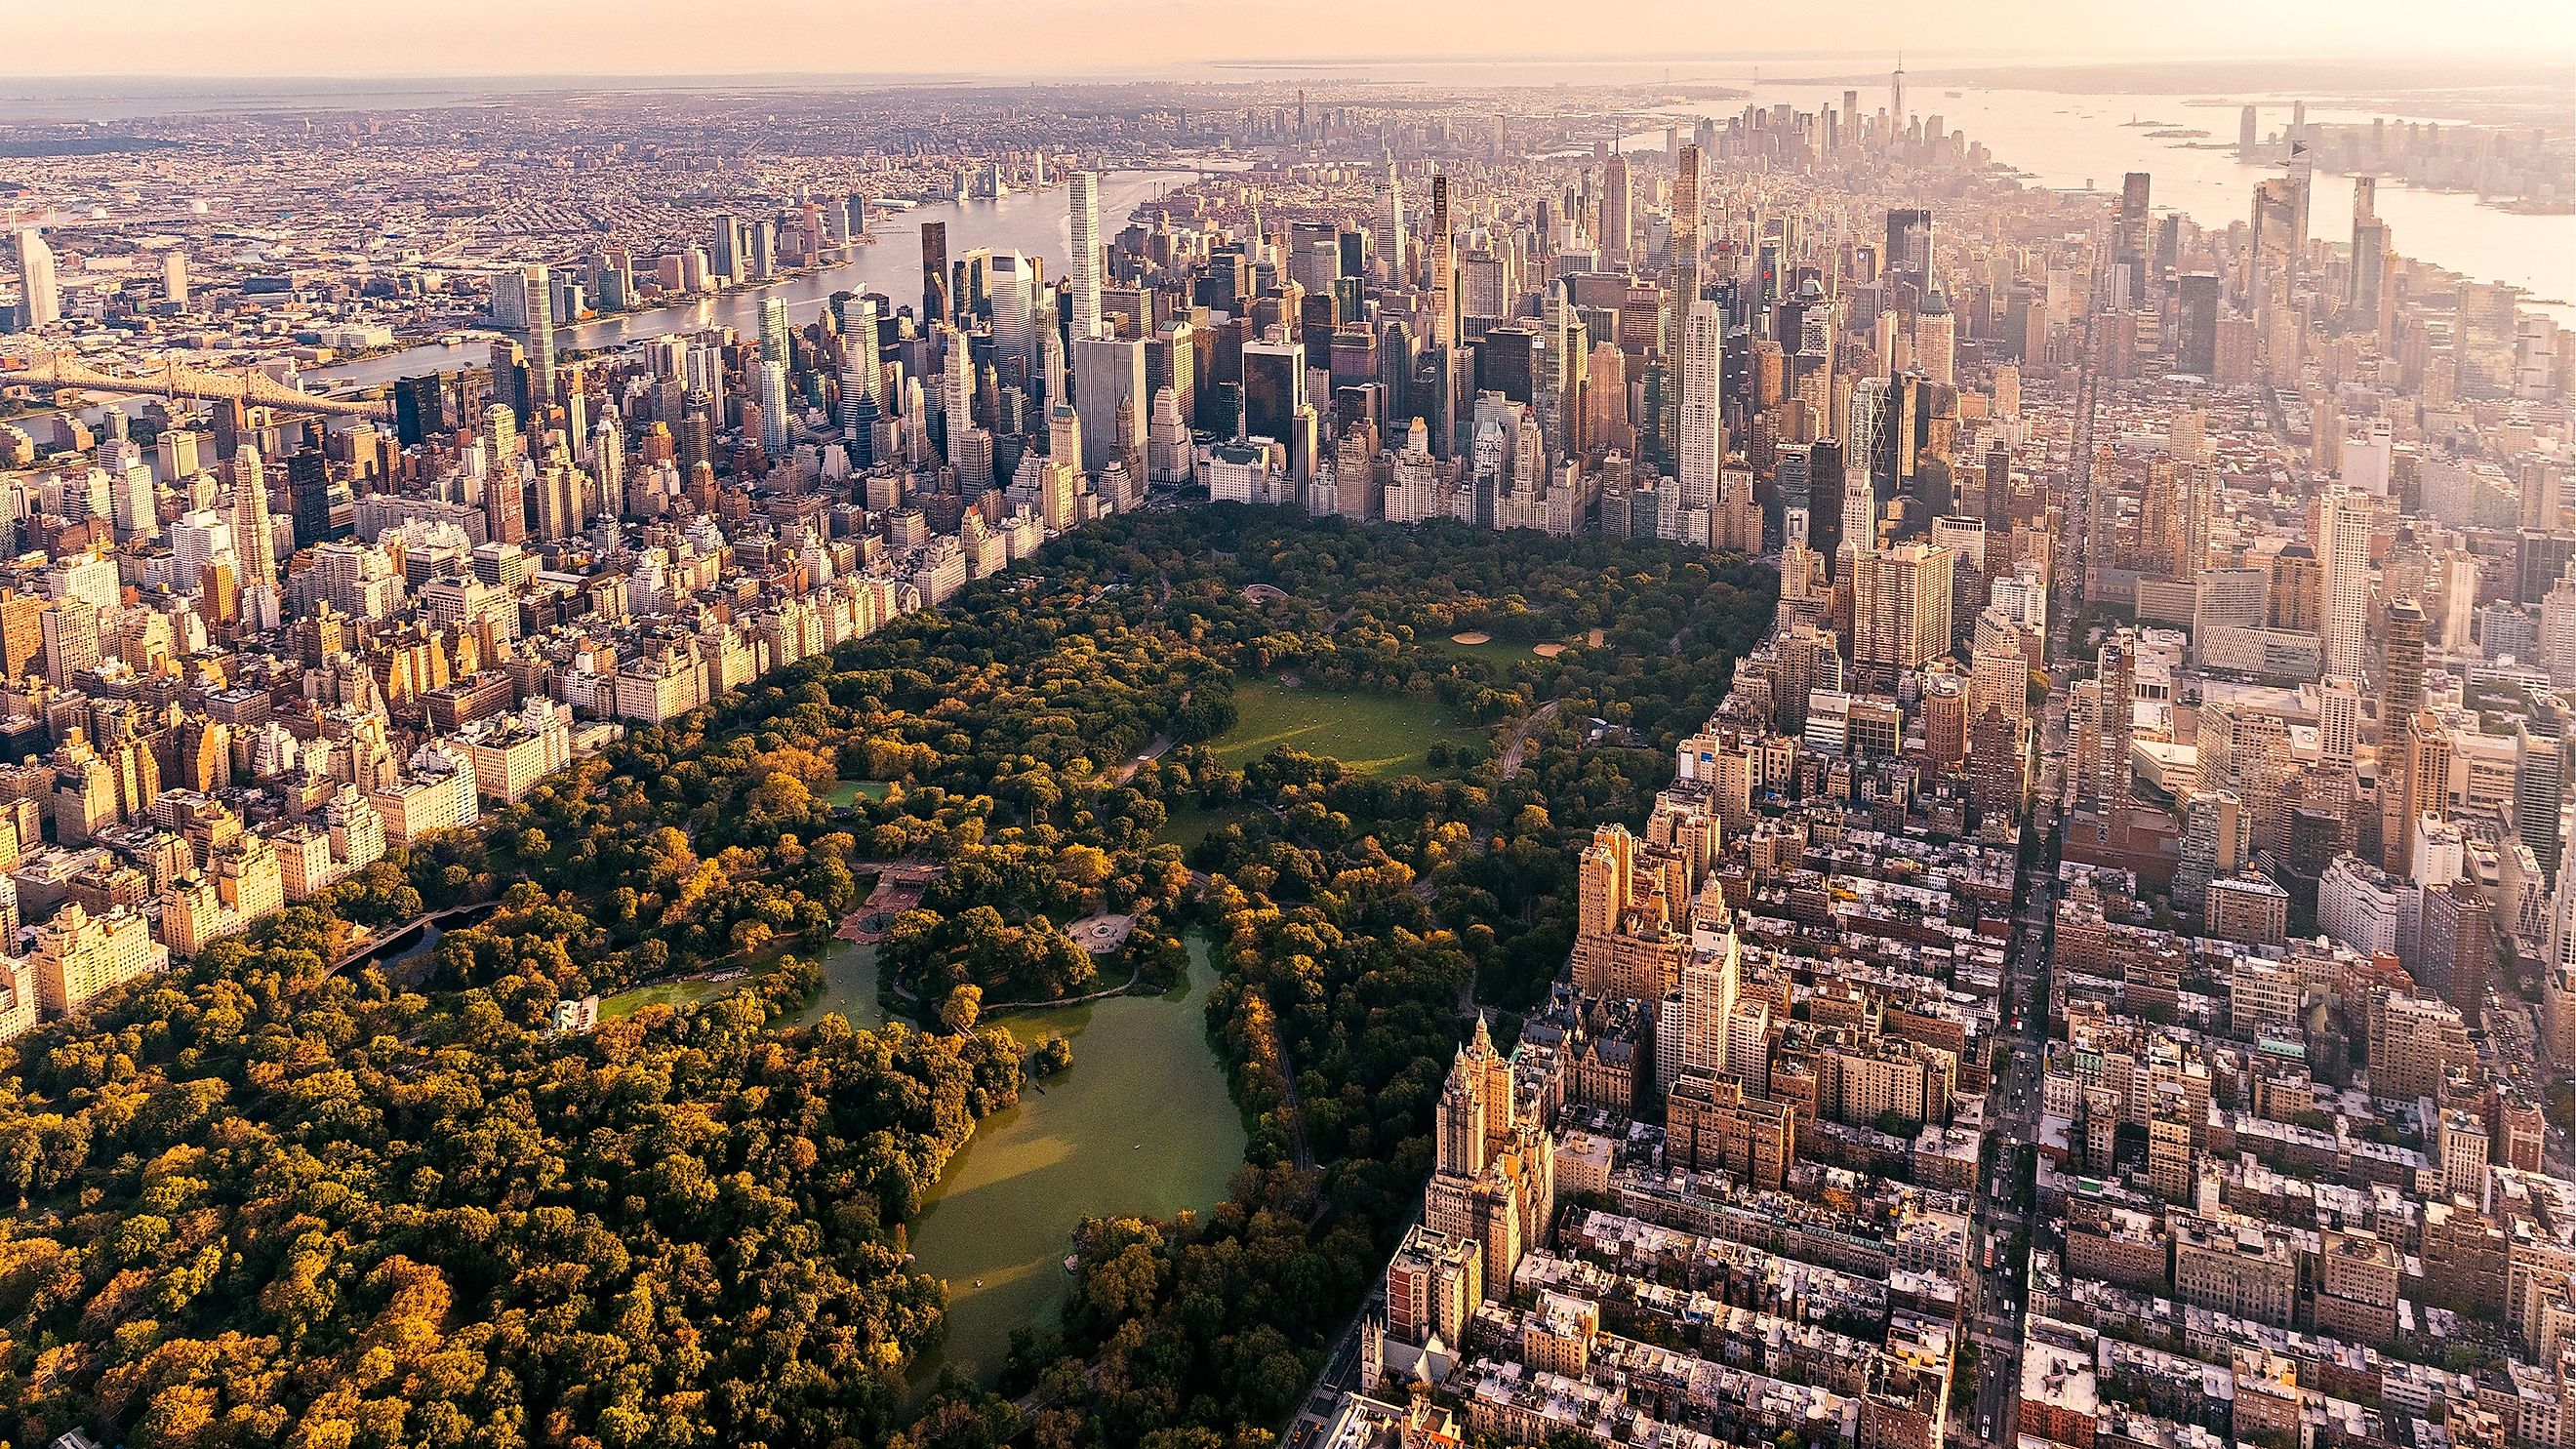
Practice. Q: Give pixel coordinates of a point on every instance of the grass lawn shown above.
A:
(1188, 824)
(1503, 650)
(1375, 734)
(850, 792)
(665, 993)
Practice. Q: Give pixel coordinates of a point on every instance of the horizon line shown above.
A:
(1957, 60)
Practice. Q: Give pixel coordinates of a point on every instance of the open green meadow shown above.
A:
(664, 993)
(1375, 734)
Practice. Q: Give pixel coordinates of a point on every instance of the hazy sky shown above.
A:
(364, 38)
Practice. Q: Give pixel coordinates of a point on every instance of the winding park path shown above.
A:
(1050, 1003)
(1154, 751)
(1518, 748)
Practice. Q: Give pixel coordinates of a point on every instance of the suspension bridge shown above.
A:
(52, 371)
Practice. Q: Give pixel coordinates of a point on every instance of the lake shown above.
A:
(1082, 1143)
(1141, 1123)
(849, 987)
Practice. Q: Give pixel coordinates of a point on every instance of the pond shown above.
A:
(408, 957)
(1142, 1123)
(849, 987)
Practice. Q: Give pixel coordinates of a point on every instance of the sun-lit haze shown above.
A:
(249, 38)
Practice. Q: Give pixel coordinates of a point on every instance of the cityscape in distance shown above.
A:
(1257, 726)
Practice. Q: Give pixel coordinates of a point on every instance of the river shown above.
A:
(1035, 223)
(2074, 141)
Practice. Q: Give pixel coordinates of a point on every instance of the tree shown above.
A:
(263, 1201)
(964, 1004)
(1052, 1053)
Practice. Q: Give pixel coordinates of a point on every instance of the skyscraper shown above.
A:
(2408, 784)
(1867, 423)
(2401, 687)
(724, 257)
(1909, 249)
(254, 537)
(2338, 721)
(308, 489)
(2116, 681)
(1391, 245)
(773, 407)
(538, 297)
(934, 272)
(1710, 981)
(40, 296)
(1008, 291)
(2368, 275)
(2274, 249)
(2544, 766)
(862, 372)
(1274, 388)
(1825, 500)
(1109, 396)
(2343, 561)
(1444, 268)
(1618, 209)
(1936, 339)
(773, 329)
(2196, 324)
(2130, 244)
(2414, 781)
(1086, 256)
(608, 460)
(1700, 434)
(2303, 174)
(505, 506)
(1901, 609)
(1686, 248)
